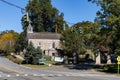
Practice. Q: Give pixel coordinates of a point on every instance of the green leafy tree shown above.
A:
(44, 17)
(72, 42)
(89, 31)
(21, 42)
(109, 18)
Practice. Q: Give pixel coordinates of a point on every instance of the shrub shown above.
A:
(48, 58)
(32, 54)
(112, 68)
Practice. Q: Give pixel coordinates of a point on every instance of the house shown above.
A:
(47, 41)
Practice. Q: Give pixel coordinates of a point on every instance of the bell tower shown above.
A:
(29, 28)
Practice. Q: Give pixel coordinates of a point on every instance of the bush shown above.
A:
(48, 58)
(112, 68)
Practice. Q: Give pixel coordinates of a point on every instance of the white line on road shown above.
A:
(35, 75)
(25, 74)
(17, 75)
(8, 76)
(42, 75)
(59, 75)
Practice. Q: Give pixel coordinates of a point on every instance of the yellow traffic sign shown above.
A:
(118, 62)
(118, 58)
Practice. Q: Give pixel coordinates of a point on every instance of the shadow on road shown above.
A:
(84, 66)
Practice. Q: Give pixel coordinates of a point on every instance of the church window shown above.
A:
(53, 45)
(39, 44)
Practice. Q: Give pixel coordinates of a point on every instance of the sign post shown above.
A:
(118, 59)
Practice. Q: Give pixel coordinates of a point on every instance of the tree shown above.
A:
(44, 17)
(32, 54)
(89, 31)
(21, 42)
(72, 42)
(109, 18)
(8, 41)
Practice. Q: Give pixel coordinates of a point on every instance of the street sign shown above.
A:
(118, 62)
(118, 58)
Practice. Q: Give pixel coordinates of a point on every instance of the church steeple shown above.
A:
(29, 28)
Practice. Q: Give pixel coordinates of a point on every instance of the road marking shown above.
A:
(51, 75)
(17, 75)
(8, 76)
(59, 75)
(67, 75)
(25, 74)
(42, 75)
(35, 75)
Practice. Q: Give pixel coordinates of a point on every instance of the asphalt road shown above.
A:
(12, 71)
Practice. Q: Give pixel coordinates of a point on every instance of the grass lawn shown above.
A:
(35, 66)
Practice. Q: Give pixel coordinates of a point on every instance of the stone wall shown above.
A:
(45, 44)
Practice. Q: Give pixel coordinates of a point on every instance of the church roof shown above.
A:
(43, 35)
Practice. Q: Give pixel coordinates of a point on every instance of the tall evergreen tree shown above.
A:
(32, 54)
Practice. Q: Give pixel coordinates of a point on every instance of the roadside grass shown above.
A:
(35, 66)
(47, 65)
(111, 68)
(14, 59)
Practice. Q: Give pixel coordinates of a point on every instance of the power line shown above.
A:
(14, 5)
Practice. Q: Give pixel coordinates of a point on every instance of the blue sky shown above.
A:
(74, 11)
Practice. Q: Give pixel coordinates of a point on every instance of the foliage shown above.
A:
(21, 42)
(72, 42)
(8, 41)
(112, 68)
(89, 31)
(44, 17)
(32, 54)
(118, 52)
(109, 18)
(48, 58)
